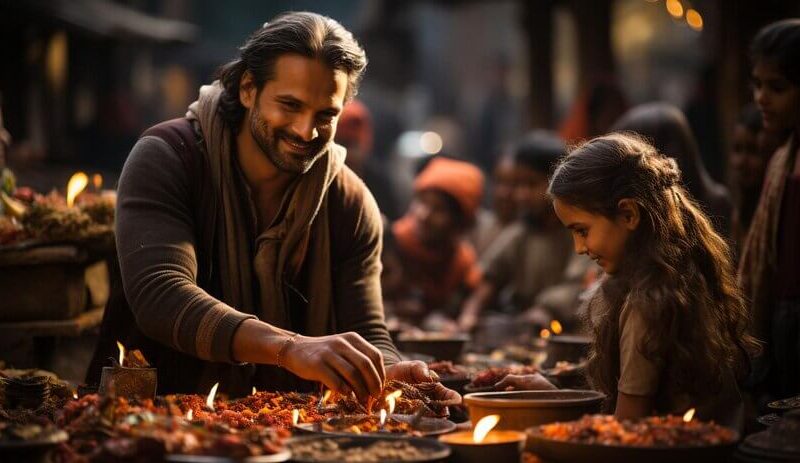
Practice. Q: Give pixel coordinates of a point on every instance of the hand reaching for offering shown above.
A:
(343, 362)
(531, 382)
(417, 372)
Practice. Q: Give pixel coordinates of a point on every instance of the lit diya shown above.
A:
(483, 444)
(131, 376)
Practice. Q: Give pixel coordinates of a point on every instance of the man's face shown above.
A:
(294, 116)
(437, 223)
(503, 193)
(531, 192)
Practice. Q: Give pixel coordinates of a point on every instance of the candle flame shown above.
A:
(483, 427)
(76, 184)
(97, 181)
(254, 391)
(211, 395)
(391, 400)
(295, 416)
(555, 327)
(190, 414)
(75, 395)
(383, 417)
(544, 334)
(687, 417)
(326, 396)
(121, 353)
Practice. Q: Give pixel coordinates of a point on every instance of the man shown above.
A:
(243, 239)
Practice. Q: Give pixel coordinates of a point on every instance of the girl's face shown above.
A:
(777, 98)
(597, 236)
(747, 159)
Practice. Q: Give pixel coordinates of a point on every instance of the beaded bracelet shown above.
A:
(282, 350)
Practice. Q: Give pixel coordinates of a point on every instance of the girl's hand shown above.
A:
(532, 382)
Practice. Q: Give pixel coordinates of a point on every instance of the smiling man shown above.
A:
(249, 253)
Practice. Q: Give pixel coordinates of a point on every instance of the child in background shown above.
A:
(668, 322)
(769, 270)
(490, 223)
(432, 265)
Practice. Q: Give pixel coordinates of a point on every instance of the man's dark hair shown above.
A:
(302, 33)
(779, 44)
(540, 150)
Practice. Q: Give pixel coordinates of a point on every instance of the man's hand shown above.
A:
(343, 362)
(532, 382)
(415, 372)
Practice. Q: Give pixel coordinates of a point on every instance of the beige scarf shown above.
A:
(759, 255)
(301, 236)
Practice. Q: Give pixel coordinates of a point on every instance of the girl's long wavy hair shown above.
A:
(676, 272)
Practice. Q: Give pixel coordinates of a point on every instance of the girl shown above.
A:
(668, 321)
(769, 271)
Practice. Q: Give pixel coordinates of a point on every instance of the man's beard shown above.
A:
(268, 140)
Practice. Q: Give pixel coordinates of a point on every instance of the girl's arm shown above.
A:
(633, 406)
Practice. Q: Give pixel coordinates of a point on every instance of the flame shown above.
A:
(555, 327)
(190, 414)
(391, 400)
(483, 427)
(544, 334)
(97, 181)
(254, 391)
(326, 396)
(211, 395)
(295, 416)
(76, 184)
(383, 417)
(121, 353)
(75, 395)
(687, 417)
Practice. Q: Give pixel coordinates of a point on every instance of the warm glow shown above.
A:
(687, 417)
(326, 396)
(121, 353)
(354, 429)
(555, 327)
(190, 414)
(295, 416)
(97, 181)
(483, 427)
(391, 400)
(254, 391)
(544, 334)
(675, 8)
(211, 395)
(430, 143)
(694, 20)
(75, 395)
(383, 417)
(76, 184)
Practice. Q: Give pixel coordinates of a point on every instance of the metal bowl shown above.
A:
(426, 426)
(437, 450)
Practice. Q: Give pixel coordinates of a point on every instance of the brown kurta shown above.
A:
(167, 223)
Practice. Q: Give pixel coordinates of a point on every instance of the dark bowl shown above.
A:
(566, 347)
(426, 426)
(520, 410)
(561, 451)
(33, 450)
(440, 347)
(456, 383)
(437, 451)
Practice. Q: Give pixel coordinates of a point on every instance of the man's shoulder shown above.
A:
(348, 191)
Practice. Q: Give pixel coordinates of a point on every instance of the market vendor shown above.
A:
(249, 254)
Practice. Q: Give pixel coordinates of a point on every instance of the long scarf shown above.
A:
(283, 248)
(759, 255)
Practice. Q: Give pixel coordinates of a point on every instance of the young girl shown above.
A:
(668, 321)
(770, 264)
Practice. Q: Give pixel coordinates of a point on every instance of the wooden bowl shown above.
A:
(520, 410)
